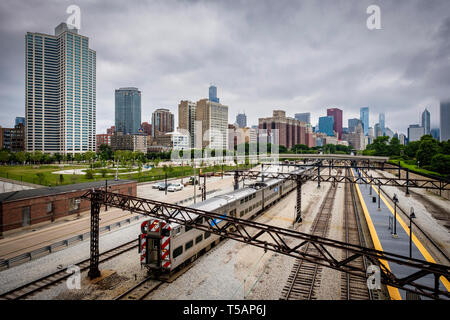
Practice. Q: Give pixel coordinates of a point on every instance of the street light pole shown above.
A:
(411, 216)
(395, 199)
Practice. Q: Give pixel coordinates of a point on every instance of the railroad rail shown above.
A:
(56, 277)
(140, 290)
(251, 232)
(305, 275)
(415, 225)
(354, 288)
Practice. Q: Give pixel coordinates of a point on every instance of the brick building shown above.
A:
(290, 131)
(102, 138)
(23, 208)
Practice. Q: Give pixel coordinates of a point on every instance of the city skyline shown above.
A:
(242, 86)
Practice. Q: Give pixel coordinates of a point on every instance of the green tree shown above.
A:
(21, 157)
(411, 149)
(58, 157)
(380, 146)
(4, 156)
(427, 149)
(394, 147)
(441, 163)
(37, 156)
(105, 152)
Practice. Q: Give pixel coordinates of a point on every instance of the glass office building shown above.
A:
(364, 117)
(60, 92)
(128, 110)
(381, 121)
(326, 125)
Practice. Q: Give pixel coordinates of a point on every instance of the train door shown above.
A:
(153, 252)
(26, 216)
(281, 190)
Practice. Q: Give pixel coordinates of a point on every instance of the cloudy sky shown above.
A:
(300, 56)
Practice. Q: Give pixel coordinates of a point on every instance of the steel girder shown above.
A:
(284, 241)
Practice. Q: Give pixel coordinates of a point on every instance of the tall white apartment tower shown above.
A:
(60, 92)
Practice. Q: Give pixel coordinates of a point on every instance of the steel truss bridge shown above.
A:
(286, 241)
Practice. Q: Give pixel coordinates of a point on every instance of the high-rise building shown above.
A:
(146, 128)
(364, 117)
(162, 122)
(381, 121)
(213, 94)
(444, 112)
(214, 119)
(102, 138)
(290, 131)
(186, 119)
(415, 132)
(435, 133)
(20, 120)
(352, 124)
(377, 130)
(388, 132)
(305, 117)
(326, 125)
(60, 92)
(13, 139)
(402, 139)
(241, 120)
(337, 120)
(128, 110)
(111, 130)
(426, 121)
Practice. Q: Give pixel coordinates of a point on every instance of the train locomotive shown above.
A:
(167, 247)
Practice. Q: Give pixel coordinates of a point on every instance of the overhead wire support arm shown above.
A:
(285, 241)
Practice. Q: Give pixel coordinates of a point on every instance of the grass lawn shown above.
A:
(414, 167)
(44, 175)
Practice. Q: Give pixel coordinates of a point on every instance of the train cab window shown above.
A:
(187, 228)
(200, 220)
(189, 244)
(207, 235)
(177, 251)
(178, 230)
(198, 239)
(242, 201)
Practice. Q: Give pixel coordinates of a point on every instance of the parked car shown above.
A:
(175, 187)
(163, 186)
(158, 185)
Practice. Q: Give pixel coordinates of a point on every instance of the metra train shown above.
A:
(165, 247)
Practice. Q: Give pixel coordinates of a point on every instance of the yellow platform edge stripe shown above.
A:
(416, 241)
(394, 293)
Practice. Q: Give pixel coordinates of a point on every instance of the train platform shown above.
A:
(382, 223)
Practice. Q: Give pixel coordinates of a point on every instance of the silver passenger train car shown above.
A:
(166, 247)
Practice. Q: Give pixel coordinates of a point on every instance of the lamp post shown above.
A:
(411, 216)
(379, 195)
(395, 199)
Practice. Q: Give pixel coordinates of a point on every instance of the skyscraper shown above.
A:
(213, 94)
(186, 119)
(128, 110)
(381, 121)
(60, 92)
(337, 122)
(241, 120)
(326, 125)
(352, 124)
(20, 120)
(214, 118)
(364, 117)
(444, 111)
(415, 132)
(162, 122)
(426, 121)
(435, 133)
(305, 117)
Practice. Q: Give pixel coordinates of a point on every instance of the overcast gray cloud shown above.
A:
(300, 56)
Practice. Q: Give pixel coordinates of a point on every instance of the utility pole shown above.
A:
(195, 192)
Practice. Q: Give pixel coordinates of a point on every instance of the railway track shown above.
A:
(45, 282)
(140, 290)
(353, 288)
(416, 227)
(305, 276)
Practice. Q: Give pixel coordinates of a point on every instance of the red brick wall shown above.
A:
(11, 212)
